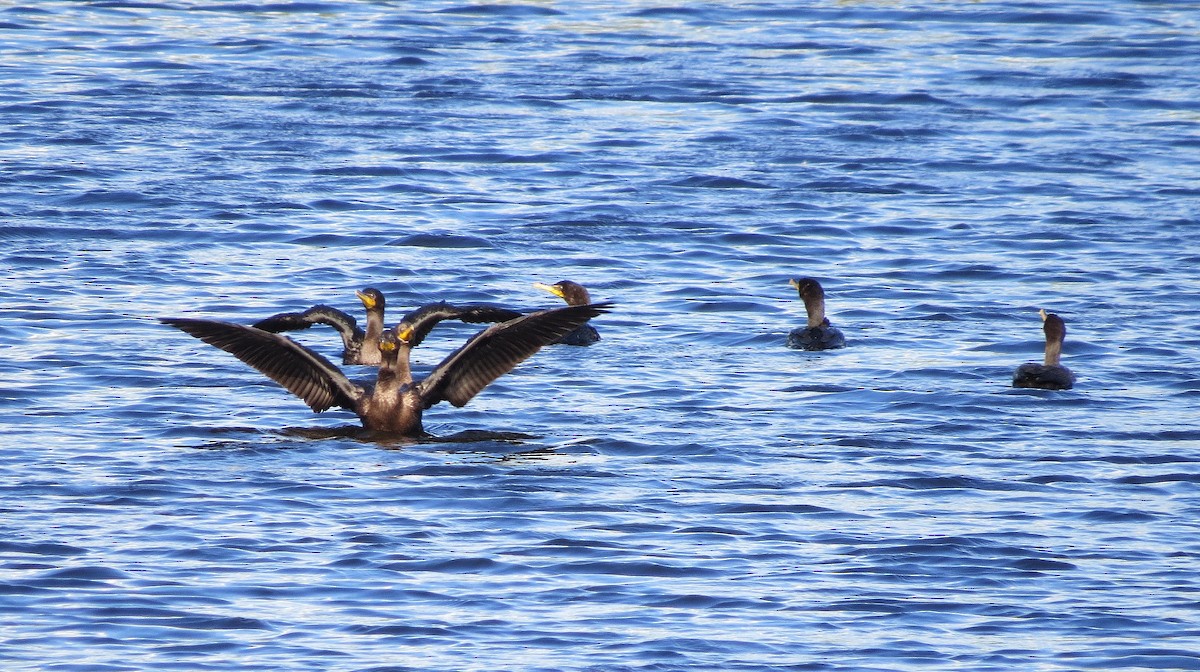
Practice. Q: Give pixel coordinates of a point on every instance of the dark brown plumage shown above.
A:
(1049, 375)
(394, 403)
(362, 347)
(817, 334)
(425, 318)
(358, 346)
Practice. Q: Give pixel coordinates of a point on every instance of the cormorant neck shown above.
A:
(814, 303)
(395, 365)
(1055, 331)
(1053, 351)
(374, 325)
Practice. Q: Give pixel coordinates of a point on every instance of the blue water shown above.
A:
(688, 494)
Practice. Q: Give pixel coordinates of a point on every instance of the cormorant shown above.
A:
(1050, 375)
(395, 401)
(818, 334)
(574, 294)
(359, 346)
(362, 347)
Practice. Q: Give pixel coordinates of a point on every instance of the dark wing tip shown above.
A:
(425, 318)
(477, 313)
(301, 371)
(318, 314)
(599, 308)
(283, 322)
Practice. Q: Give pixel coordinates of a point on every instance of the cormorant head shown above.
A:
(388, 341)
(808, 288)
(814, 300)
(573, 293)
(389, 345)
(372, 298)
(1053, 325)
(404, 334)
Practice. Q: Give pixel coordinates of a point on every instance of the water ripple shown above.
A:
(945, 172)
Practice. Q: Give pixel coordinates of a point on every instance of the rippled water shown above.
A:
(686, 494)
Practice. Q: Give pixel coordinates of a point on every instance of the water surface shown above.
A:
(686, 494)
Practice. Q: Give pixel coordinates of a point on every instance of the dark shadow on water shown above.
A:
(488, 444)
(819, 388)
(390, 440)
(476, 435)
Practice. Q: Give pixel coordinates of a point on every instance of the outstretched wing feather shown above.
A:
(301, 371)
(476, 313)
(344, 323)
(496, 350)
(424, 319)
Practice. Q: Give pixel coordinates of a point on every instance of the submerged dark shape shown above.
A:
(574, 294)
(1050, 375)
(394, 403)
(818, 334)
(362, 347)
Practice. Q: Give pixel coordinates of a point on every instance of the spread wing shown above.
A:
(303, 372)
(494, 352)
(424, 319)
(320, 314)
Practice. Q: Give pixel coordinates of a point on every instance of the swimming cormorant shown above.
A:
(395, 401)
(574, 294)
(362, 347)
(818, 334)
(359, 346)
(1049, 375)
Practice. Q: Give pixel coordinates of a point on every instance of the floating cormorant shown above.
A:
(362, 347)
(394, 403)
(818, 334)
(574, 294)
(358, 346)
(1049, 375)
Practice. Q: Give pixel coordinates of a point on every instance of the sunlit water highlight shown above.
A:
(686, 494)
